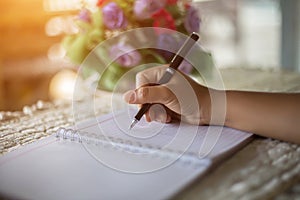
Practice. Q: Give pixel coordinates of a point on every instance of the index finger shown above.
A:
(150, 76)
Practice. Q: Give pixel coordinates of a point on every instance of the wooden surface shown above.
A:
(23, 82)
(264, 169)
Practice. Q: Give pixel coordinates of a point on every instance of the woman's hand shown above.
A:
(274, 115)
(180, 99)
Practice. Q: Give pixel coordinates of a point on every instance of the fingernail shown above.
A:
(152, 114)
(129, 96)
(161, 118)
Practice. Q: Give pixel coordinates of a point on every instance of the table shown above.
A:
(265, 168)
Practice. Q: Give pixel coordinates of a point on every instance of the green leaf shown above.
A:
(97, 19)
(94, 38)
(151, 56)
(76, 48)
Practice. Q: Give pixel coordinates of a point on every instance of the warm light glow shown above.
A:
(61, 5)
(56, 52)
(54, 26)
(67, 5)
(62, 85)
(61, 25)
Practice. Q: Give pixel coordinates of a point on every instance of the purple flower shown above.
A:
(167, 45)
(84, 15)
(125, 55)
(113, 16)
(144, 9)
(192, 20)
(185, 67)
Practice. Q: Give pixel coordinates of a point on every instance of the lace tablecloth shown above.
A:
(264, 169)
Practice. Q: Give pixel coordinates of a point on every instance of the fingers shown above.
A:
(178, 95)
(158, 113)
(149, 94)
(151, 75)
(157, 95)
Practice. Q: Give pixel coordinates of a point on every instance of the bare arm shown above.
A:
(275, 115)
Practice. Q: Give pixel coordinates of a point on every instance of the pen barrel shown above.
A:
(184, 50)
(176, 61)
(145, 107)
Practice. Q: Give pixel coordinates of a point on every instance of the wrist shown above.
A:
(214, 107)
(204, 105)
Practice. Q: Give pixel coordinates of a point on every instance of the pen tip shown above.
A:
(133, 123)
(130, 127)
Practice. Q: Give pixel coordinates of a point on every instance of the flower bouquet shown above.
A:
(110, 18)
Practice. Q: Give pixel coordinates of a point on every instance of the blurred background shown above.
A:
(239, 33)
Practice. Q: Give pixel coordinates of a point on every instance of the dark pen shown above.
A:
(176, 61)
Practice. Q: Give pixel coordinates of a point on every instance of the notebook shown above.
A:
(101, 159)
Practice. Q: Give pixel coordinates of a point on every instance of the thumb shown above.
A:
(149, 94)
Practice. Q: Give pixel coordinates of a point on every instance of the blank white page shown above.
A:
(52, 169)
(200, 141)
(61, 169)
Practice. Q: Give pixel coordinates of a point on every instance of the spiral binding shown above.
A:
(189, 159)
(68, 134)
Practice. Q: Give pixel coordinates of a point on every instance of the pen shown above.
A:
(176, 61)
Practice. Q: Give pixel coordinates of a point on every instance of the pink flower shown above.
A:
(85, 15)
(125, 55)
(192, 20)
(172, 2)
(167, 45)
(113, 16)
(144, 9)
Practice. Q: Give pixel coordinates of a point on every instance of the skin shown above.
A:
(275, 115)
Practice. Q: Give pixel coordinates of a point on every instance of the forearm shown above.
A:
(275, 115)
